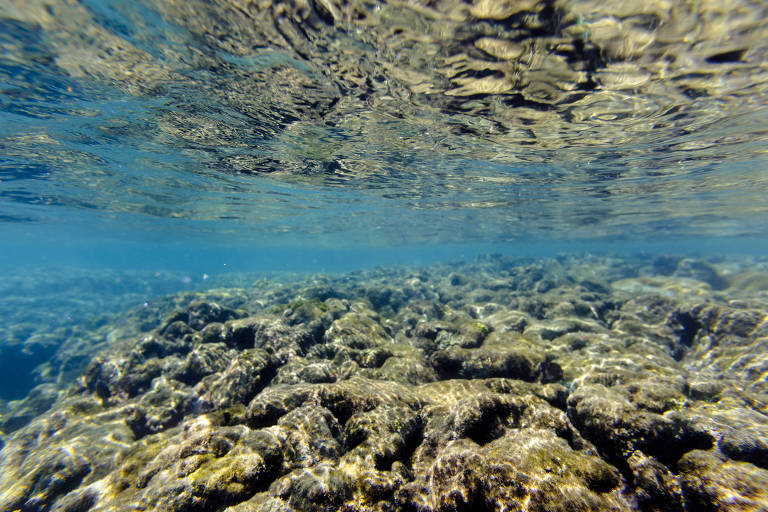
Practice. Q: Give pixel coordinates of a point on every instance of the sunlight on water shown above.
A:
(476, 122)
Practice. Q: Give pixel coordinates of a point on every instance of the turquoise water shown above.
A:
(150, 150)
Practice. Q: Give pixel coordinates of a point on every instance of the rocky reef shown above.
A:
(569, 384)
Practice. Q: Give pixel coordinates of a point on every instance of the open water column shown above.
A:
(383, 255)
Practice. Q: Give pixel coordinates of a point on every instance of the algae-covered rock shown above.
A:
(357, 331)
(611, 421)
(529, 469)
(247, 373)
(485, 363)
(499, 385)
(739, 431)
(712, 482)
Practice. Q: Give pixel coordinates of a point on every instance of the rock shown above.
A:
(463, 477)
(247, 374)
(710, 481)
(656, 487)
(193, 467)
(537, 391)
(201, 362)
(357, 331)
(618, 428)
(39, 400)
(321, 488)
(557, 328)
(740, 432)
(483, 363)
(701, 271)
(665, 265)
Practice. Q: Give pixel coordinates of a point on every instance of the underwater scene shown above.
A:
(383, 255)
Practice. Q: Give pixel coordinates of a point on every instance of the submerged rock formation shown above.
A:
(567, 384)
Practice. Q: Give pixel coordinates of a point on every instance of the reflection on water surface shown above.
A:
(564, 116)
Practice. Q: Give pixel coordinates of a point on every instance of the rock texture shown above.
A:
(569, 384)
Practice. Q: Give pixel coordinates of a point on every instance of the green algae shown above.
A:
(313, 302)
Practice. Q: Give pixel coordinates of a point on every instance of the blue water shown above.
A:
(143, 137)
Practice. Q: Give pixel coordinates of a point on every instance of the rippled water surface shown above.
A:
(385, 123)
